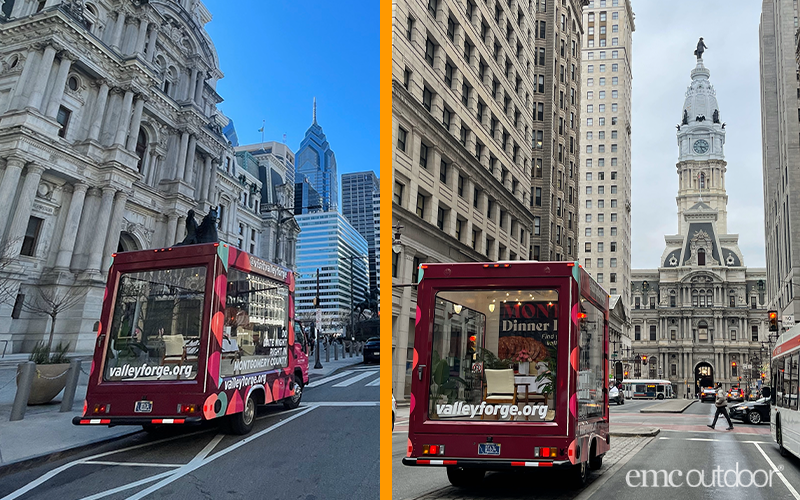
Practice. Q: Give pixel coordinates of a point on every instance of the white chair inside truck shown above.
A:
(499, 388)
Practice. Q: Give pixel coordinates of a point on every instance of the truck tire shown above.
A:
(241, 423)
(579, 474)
(293, 402)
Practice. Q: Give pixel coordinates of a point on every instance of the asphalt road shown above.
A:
(685, 445)
(327, 448)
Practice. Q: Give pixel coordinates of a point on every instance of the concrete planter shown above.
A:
(48, 382)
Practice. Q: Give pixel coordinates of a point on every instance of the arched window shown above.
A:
(701, 257)
(702, 181)
(141, 148)
(694, 298)
(90, 16)
(702, 331)
(672, 299)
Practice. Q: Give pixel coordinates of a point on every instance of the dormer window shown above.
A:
(701, 257)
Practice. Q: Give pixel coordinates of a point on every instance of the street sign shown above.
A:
(788, 319)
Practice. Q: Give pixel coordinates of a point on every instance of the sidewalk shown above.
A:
(46, 431)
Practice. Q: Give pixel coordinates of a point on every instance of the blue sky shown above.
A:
(278, 55)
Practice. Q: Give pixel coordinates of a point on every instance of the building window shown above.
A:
(423, 156)
(754, 333)
(460, 185)
(420, 205)
(18, 302)
(415, 270)
(587, 247)
(62, 118)
(430, 48)
(637, 332)
(409, 27)
(443, 171)
(733, 335)
(395, 259)
(401, 138)
(637, 304)
(440, 214)
(652, 302)
(753, 302)
(427, 97)
(459, 225)
(652, 332)
(397, 196)
(31, 236)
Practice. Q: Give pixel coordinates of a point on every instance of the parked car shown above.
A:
(372, 350)
(735, 394)
(708, 394)
(754, 412)
(615, 395)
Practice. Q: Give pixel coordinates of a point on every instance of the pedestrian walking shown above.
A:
(722, 408)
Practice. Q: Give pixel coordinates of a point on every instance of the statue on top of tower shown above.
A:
(700, 48)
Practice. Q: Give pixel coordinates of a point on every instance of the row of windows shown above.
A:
(614, 3)
(703, 336)
(603, 15)
(601, 162)
(600, 121)
(601, 176)
(614, 54)
(614, 42)
(600, 189)
(602, 81)
(602, 29)
(587, 247)
(601, 108)
(601, 218)
(699, 299)
(600, 263)
(601, 203)
(602, 94)
(602, 68)
(600, 232)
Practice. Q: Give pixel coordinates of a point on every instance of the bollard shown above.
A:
(27, 371)
(335, 351)
(73, 375)
(327, 353)
(351, 348)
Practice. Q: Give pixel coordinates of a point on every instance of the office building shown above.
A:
(360, 190)
(315, 159)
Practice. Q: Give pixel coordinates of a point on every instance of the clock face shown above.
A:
(700, 146)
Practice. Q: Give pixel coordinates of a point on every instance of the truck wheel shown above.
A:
(242, 423)
(660, 396)
(595, 461)
(579, 473)
(465, 478)
(779, 439)
(293, 402)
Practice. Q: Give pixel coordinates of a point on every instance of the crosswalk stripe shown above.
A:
(353, 380)
(375, 383)
(325, 380)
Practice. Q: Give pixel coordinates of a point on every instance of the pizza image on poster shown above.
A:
(530, 326)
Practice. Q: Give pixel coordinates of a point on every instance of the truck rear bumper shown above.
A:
(112, 421)
(480, 463)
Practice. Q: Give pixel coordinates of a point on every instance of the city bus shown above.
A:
(784, 413)
(471, 410)
(194, 333)
(647, 389)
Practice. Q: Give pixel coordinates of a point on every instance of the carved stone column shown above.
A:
(8, 188)
(136, 121)
(67, 245)
(115, 226)
(42, 76)
(190, 154)
(169, 232)
(212, 180)
(151, 43)
(180, 228)
(28, 72)
(99, 110)
(101, 228)
(124, 120)
(58, 86)
(205, 178)
(192, 84)
(181, 167)
(116, 37)
(19, 224)
(141, 37)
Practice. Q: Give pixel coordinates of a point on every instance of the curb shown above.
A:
(654, 409)
(27, 463)
(633, 432)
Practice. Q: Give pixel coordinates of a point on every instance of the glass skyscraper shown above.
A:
(331, 244)
(360, 190)
(315, 159)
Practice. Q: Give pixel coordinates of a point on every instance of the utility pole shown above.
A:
(317, 364)
(352, 319)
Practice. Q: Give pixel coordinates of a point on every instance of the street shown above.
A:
(326, 448)
(684, 444)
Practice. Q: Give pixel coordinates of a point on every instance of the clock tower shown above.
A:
(701, 158)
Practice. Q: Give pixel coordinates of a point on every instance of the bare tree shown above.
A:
(52, 301)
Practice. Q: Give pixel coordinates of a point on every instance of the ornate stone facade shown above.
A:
(109, 134)
(701, 316)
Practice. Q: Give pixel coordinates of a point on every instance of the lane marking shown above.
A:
(46, 477)
(325, 380)
(346, 403)
(129, 486)
(196, 464)
(353, 380)
(374, 383)
(132, 464)
(701, 439)
(779, 473)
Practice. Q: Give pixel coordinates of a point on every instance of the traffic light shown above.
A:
(626, 374)
(740, 378)
(644, 359)
(773, 321)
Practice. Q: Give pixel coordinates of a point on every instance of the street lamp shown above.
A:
(352, 319)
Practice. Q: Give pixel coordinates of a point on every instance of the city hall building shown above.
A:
(700, 317)
(109, 135)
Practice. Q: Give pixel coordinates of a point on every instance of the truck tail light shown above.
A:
(102, 408)
(433, 449)
(187, 408)
(545, 452)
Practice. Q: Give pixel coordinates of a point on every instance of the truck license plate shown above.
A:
(143, 407)
(489, 449)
